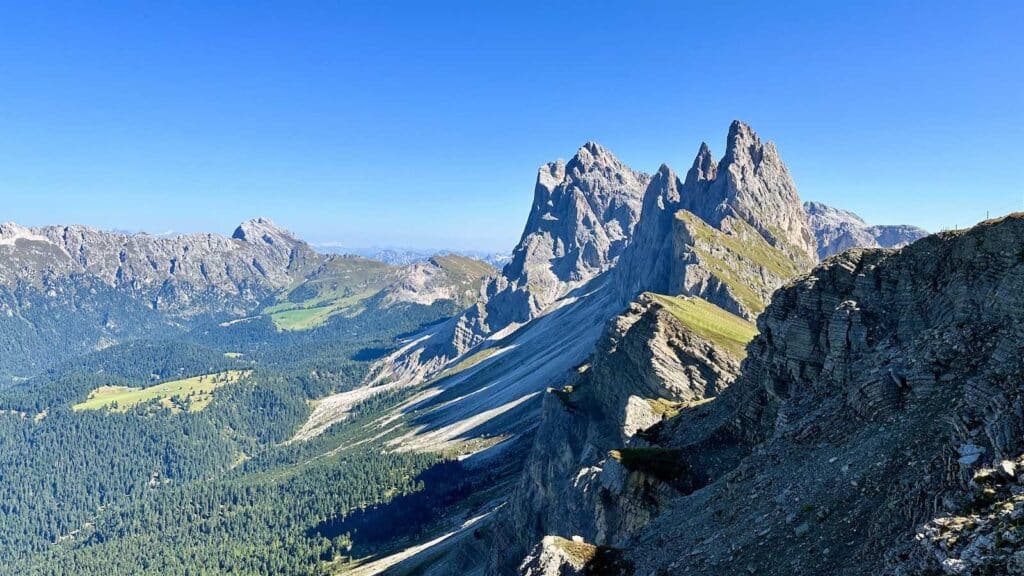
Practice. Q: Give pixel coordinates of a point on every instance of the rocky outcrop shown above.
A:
(753, 184)
(583, 215)
(581, 221)
(586, 474)
(838, 230)
(876, 418)
(441, 277)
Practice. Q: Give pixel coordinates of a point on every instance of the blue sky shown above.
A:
(422, 124)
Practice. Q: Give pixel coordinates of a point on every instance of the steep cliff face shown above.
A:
(881, 400)
(753, 184)
(732, 232)
(581, 478)
(582, 219)
(838, 230)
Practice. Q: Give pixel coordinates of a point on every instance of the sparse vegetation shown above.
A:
(580, 553)
(720, 252)
(469, 362)
(710, 322)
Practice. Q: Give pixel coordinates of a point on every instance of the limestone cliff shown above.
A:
(732, 232)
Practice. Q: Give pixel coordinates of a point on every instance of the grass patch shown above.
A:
(662, 463)
(463, 266)
(710, 322)
(314, 312)
(580, 553)
(191, 394)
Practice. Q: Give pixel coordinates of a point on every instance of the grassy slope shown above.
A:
(710, 322)
(744, 244)
(338, 288)
(342, 286)
(463, 266)
(198, 390)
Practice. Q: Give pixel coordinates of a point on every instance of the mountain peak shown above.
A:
(743, 145)
(593, 153)
(705, 167)
(260, 228)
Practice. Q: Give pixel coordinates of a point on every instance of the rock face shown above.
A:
(583, 215)
(732, 232)
(875, 427)
(581, 477)
(582, 218)
(751, 183)
(581, 221)
(838, 230)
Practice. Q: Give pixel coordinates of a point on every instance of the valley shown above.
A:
(656, 347)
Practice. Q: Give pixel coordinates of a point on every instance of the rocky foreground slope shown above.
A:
(875, 427)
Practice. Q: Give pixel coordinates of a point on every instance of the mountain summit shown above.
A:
(752, 183)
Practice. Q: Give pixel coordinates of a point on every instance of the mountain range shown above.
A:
(673, 373)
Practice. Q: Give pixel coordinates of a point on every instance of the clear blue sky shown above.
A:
(383, 123)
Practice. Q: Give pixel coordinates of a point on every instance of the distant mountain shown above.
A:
(405, 256)
(76, 288)
(837, 230)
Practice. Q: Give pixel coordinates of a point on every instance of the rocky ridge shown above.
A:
(74, 288)
(580, 479)
(874, 427)
(173, 273)
(732, 232)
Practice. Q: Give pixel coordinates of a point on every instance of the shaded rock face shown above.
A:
(838, 230)
(882, 399)
(647, 362)
(582, 218)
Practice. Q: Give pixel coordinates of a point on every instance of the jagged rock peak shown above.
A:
(705, 167)
(262, 229)
(591, 154)
(754, 184)
(743, 144)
